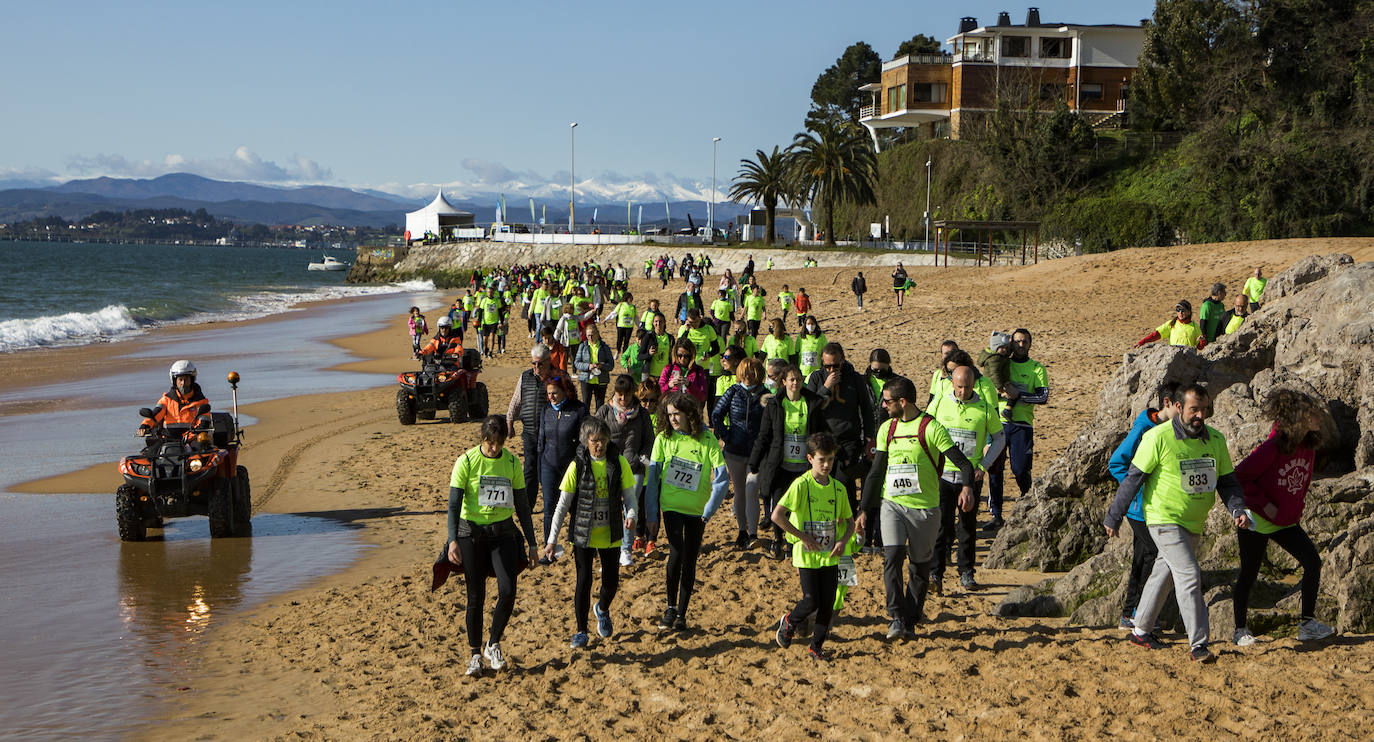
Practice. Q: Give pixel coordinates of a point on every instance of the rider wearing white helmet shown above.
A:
(446, 342)
(183, 402)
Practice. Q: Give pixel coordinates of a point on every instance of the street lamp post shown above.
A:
(711, 217)
(572, 182)
(927, 245)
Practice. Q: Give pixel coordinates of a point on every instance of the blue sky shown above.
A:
(400, 94)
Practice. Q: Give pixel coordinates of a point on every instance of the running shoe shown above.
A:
(649, 548)
(1311, 630)
(669, 617)
(579, 640)
(1243, 637)
(994, 525)
(753, 542)
(1147, 641)
(625, 558)
(494, 656)
(1126, 623)
(603, 621)
(818, 654)
(741, 540)
(895, 629)
(775, 551)
(474, 666)
(638, 545)
(1202, 654)
(680, 624)
(784, 634)
(967, 582)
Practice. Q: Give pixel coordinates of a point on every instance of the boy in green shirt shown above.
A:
(785, 298)
(814, 509)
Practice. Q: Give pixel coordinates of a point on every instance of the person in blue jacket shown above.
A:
(1144, 552)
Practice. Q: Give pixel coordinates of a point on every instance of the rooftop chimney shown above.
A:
(967, 23)
(1004, 18)
(1032, 16)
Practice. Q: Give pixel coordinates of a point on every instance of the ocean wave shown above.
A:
(117, 321)
(71, 328)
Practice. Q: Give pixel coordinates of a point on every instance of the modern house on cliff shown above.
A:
(1087, 67)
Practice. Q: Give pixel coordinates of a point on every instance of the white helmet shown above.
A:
(182, 368)
(445, 321)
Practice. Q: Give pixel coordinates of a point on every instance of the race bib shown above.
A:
(848, 576)
(902, 481)
(823, 531)
(684, 474)
(601, 512)
(809, 358)
(1197, 475)
(495, 492)
(966, 440)
(793, 448)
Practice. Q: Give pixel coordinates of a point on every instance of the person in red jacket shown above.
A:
(1275, 477)
(183, 403)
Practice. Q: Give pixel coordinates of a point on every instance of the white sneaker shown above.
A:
(494, 656)
(625, 558)
(1311, 630)
(1243, 637)
(474, 666)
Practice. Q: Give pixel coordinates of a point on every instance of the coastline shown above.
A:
(369, 653)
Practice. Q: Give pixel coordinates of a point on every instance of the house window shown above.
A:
(1052, 91)
(1016, 46)
(1090, 91)
(896, 98)
(1055, 48)
(929, 92)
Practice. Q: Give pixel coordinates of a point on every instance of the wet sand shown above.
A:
(370, 654)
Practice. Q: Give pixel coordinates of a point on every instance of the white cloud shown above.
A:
(609, 186)
(243, 164)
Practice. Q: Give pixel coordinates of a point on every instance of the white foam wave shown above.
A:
(266, 303)
(72, 328)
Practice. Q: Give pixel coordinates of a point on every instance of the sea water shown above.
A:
(59, 293)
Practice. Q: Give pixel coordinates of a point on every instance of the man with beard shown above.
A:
(847, 408)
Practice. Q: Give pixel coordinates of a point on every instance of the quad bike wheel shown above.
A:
(221, 510)
(457, 406)
(478, 404)
(405, 408)
(243, 504)
(131, 525)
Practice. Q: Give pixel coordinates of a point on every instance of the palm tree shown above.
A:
(833, 162)
(766, 181)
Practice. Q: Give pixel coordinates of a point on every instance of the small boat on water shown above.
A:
(329, 264)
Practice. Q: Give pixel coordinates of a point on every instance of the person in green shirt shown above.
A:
(1235, 317)
(656, 348)
(904, 482)
(755, 304)
(1210, 316)
(786, 299)
(1254, 288)
(625, 315)
(486, 492)
(489, 309)
(812, 512)
(778, 345)
(738, 334)
(709, 347)
(598, 490)
(469, 303)
(810, 341)
(1183, 466)
(687, 483)
(722, 311)
(1029, 388)
(1181, 330)
(646, 320)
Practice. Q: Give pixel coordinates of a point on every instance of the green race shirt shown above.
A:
(469, 301)
(754, 306)
(646, 320)
(687, 465)
(1234, 324)
(1027, 375)
(969, 424)
(600, 536)
(722, 309)
(820, 510)
(704, 338)
(491, 310)
(911, 479)
(785, 299)
(625, 315)
(661, 356)
(794, 416)
(1183, 475)
(809, 353)
(1180, 333)
(723, 382)
(488, 485)
(1254, 288)
(775, 348)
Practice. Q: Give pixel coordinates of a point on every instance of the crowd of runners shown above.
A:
(823, 458)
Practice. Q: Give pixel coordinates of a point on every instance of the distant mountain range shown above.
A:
(315, 205)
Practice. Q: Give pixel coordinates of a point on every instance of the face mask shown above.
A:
(772, 385)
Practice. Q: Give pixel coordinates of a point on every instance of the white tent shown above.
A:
(438, 216)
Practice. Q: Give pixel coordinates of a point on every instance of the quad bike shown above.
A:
(185, 470)
(443, 383)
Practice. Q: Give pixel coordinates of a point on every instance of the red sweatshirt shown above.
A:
(1270, 477)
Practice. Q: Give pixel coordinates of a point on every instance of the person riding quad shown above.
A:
(446, 344)
(182, 403)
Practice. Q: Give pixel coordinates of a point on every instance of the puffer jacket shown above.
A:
(634, 435)
(737, 417)
(558, 434)
(766, 457)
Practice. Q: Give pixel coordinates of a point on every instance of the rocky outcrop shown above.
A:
(1315, 334)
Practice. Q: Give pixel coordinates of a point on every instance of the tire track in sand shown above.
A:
(293, 454)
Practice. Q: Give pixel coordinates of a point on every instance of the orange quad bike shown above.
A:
(443, 383)
(186, 470)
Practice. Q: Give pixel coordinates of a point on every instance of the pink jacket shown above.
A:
(695, 376)
(1271, 478)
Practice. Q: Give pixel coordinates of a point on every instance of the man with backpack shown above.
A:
(905, 480)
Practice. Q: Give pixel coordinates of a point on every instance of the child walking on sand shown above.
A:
(812, 512)
(419, 328)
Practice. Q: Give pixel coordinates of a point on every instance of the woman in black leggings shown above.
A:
(486, 491)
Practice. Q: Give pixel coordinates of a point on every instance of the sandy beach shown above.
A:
(370, 653)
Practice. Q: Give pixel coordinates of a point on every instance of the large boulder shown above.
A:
(1315, 334)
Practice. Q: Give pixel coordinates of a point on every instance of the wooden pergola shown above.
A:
(984, 230)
